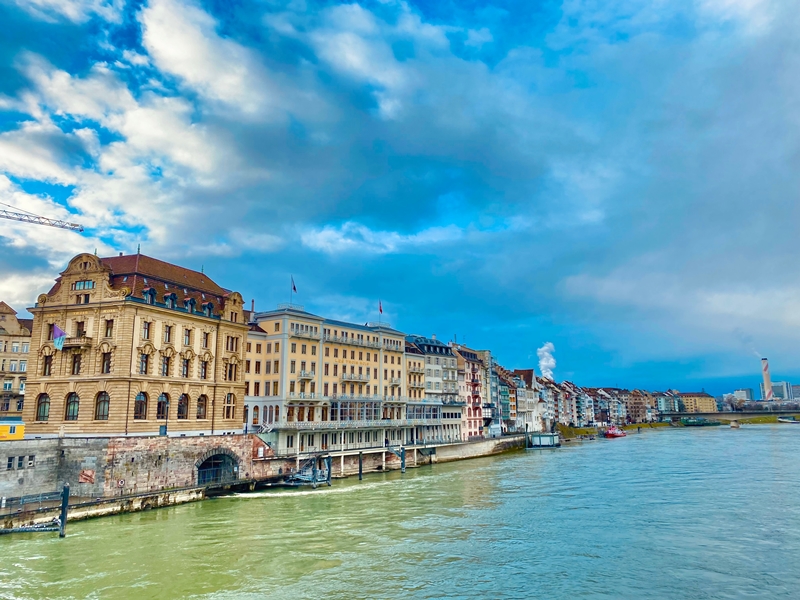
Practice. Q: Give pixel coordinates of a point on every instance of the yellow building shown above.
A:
(698, 402)
(321, 385)
(15, 338)
(150, 348)
(11, 428)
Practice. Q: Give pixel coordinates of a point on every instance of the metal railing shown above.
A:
(355, 424)
(337, 339)
(354, 377)
(307, 374)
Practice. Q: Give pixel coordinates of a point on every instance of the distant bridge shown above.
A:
(728, 416)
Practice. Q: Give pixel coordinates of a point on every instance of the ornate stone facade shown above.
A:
(150, 346)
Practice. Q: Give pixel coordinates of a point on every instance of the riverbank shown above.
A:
(87, 508)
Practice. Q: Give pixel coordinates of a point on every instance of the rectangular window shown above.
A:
(292, 366)
(12, 366)
(144, 362)
(313, 350)
(167, 334)
(106, 363)
(275, 367)
(10, 464)
(50, 330)
(289, 438)
(324, 389)
(203, 370)
(258, 348)
(187, 337)
(47, 365)
(185, 367)
(31, 461)
(80, 328)
(267, 367)
(206, 339)
(269, 348)
(327, 351)
(335, 370)
(335, 353)
(302, 349)
(76, 364)
(249, 346)
(274, 388)
(165, 366)
(21, 462)
(257, 388)
(293, 348)
(246, 388)
(247, 366)
(25, 347)
(325, 368)
(258, 367)
(15, 346)
(109, 328)
(146, 330)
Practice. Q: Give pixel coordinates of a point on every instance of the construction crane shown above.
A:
(31, 218)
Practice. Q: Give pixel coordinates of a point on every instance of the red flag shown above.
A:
(380, 307)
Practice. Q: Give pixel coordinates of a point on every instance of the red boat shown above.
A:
(614, 432)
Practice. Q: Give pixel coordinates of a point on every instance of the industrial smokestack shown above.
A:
(767, 394)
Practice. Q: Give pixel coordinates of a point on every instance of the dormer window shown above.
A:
(170, 301)
(149, 295)
(86, 284)
(207, 309)
(189, 304)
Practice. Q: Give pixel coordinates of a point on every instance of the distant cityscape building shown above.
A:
(699, 402)
(745, 394)
(781, 390)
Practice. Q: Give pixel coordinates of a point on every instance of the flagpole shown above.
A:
(291, 290)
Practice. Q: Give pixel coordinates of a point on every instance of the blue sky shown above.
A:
(619, 178)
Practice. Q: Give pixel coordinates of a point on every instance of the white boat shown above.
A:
(791, 420)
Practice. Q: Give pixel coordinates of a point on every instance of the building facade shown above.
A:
(150, 348)
(15, 338)
(698, 402)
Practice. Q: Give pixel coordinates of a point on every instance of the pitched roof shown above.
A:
(6, 309)
(147, 266)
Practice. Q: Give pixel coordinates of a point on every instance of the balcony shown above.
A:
(416, 384)
(351, 341)
(307, 375)
(355, 424)
(394, 381)
(354, 377)
(419, 370)
(78, 341)
(305, 396)
(310, 335)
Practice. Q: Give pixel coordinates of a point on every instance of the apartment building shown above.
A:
(334, 386)
(472, 385)
(149, 348)
(15, 338)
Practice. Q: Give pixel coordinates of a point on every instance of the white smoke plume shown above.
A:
(546, 361)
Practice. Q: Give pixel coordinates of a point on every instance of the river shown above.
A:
(680, 513)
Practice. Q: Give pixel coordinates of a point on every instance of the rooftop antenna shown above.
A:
(138, 249)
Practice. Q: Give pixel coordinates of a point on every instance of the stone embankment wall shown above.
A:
(103, 467)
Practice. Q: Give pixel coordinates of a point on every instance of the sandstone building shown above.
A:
(151, 348)
(15, 337)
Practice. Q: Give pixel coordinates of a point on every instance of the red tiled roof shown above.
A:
(146, 266)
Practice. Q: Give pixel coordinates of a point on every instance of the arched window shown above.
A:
(43, 407)
(162, 407)
(202, 403)
(183, 406)
(140, 406)
(255, 415)
(73, 402)
(270, 414)
(101, 407)
(230, 406)
(244, 420)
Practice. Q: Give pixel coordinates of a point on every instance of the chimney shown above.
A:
(433, 337)
(253, 305)
(120, 253)
(767, 393)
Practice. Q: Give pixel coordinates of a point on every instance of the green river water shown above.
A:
(678, 513)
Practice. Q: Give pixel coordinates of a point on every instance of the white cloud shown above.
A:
(20, 290)
(478, 37)
(77, 11)
(354, 237)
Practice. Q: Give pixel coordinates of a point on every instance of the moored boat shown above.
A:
(699, 422)
(614, 432)
(791, 420)
(735, 424)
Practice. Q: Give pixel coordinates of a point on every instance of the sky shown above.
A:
(618, 178)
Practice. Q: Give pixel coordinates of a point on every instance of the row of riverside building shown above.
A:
(152, 348)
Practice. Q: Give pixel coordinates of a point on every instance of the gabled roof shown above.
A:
(6, 309)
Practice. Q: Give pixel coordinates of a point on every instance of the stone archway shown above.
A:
(218, 465)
